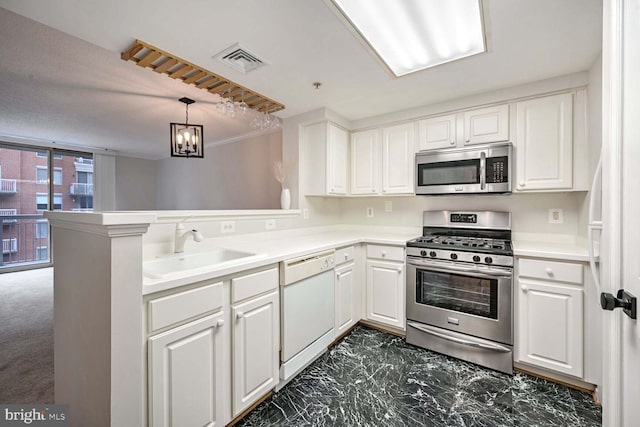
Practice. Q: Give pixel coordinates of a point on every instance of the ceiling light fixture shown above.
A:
(186, 139)
(412, 35)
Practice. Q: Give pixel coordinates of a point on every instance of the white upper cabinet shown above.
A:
(478, 126)
(544, 143)
(326, 159)
(338, 160)
(382, 160)
(398, 150)
(437, 132)
(365, 154)
(485, 125)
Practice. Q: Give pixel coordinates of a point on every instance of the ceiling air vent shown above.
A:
(240, 59)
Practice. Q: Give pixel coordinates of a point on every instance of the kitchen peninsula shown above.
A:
(108, 313)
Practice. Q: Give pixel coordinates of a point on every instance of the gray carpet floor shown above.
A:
(26, 337)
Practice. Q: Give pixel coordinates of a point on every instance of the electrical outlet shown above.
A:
(227, 226)
(305, 213)
(270, 224)
(370, 213)
(555, 216)
(388, 206)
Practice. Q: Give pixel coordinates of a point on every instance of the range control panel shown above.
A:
(465, 218)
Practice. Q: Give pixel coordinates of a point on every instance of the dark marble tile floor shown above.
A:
(375, 379)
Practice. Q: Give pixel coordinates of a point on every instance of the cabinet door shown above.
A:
(398, 153)
(337, 160)
(437, 132)
(255, 346)
(550, 326)
(185, 368)
(385, 293)
(346, 298)
(486, 125)
(544, 143)
(365, 158)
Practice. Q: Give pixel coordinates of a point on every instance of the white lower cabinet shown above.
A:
(212, 349)
(550, 316)
(345, 298)
(385, 285)
(185, 374)
(255, 346)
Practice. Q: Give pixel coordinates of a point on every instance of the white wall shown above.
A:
(529, 211)
(234, 175)
(135, 184)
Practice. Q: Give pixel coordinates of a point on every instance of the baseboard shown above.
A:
(249, 409)
(381, 328)
(555, 377)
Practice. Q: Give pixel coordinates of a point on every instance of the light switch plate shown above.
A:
(269, 224)
(305, 213)
(555, 216)
(370, 213)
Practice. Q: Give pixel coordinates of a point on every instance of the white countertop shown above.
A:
(274, 247)
(561, 247)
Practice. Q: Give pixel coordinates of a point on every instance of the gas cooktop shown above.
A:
(472, 237)
(463, 243)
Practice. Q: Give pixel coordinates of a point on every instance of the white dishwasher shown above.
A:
(306, 311)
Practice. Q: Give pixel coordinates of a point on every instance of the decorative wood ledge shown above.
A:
(148, 56)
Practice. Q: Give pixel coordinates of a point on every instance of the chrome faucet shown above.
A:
(182, 236)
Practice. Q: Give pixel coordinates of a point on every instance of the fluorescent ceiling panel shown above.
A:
(411, 35)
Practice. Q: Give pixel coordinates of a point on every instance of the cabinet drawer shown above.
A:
(345, 254)
(175, 308)
(393, 253)
(551, 270)
(244, 287)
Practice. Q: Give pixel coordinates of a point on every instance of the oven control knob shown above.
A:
(432, 254)
(488, 260)
(476, 258)
(454, 256)
(423, 253)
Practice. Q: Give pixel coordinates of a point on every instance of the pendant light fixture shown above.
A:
(186, 139)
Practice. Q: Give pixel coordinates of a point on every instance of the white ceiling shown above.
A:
(65, 81)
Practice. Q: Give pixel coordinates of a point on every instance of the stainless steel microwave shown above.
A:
(471, 170)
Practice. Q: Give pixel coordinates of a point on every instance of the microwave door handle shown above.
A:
(483, 169)
(449, 268)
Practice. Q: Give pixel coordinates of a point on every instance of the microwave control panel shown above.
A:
(497, 169)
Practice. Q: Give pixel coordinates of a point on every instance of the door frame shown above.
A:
(611, 250)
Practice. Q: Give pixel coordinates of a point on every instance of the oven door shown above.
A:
(471, 299)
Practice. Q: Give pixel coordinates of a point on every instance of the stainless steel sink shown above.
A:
(166, 265)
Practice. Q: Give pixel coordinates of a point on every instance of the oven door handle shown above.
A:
(493, 347)
(450, 268)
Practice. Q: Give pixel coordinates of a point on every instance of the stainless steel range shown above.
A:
(459, 287)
